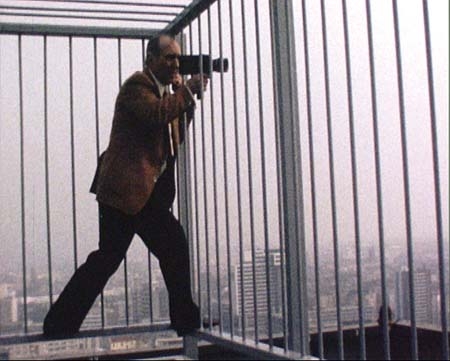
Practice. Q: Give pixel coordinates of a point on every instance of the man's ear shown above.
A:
(148, 60)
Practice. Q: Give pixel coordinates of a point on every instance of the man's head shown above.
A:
(163, 58)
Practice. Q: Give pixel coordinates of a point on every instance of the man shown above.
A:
(135, 189)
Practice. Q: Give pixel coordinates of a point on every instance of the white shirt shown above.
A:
(161, 87)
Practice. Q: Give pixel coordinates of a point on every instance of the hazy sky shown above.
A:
(416, 108)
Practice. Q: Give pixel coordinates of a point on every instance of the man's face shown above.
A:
(166, 66)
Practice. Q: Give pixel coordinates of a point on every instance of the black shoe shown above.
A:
(191, 330)
(58, 335)
(181, 332)
(206, 323)
(54, 333)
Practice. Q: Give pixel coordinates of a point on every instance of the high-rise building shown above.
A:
(9, 308)
(255, 290)
(422, 296)
(141, 302)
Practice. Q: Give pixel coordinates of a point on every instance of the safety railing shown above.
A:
(359, 138)
(313, 167)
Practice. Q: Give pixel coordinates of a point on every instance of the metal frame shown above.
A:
(113, 331)
(257, 351)
(76, 31)
(149, 13)
(291, 212)
(291, 177)
(194, 10)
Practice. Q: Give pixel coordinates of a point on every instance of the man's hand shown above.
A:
(197, 83)
(177, 82)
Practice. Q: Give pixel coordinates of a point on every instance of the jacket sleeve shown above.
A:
(150, 111)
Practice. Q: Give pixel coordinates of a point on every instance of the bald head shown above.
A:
(156, 44)
(162, 59)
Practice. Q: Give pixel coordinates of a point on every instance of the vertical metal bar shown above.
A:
(72, 154)
(238, 173)
(179, 164)
(225, 171)
(196, 201)
(437, 185)
(22, 192)
(150, 287)
(279, 191)
(250, 177)
(190, 347)
(362, 336)
(183, 168)
(149, 258)
(1, 82)
(125, 263)
(205, 190)
(184, 175)
(188, 190)
(283, 276)
(291, 177)
(97, 143)
(298, 184)
(332, 183)
(264, 176)
(313, 183)
(282, 268)
(213, 149)
(405, 168)
(97, 117)
(47, 186)
(373, 90)
(178, 174)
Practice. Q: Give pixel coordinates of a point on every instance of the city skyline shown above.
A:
(139, 300)
(141, 278)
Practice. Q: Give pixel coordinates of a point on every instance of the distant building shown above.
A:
(140, 302)
(8, 308)
(37, 308)
(161, 304)
(244, 277)
(93, 319)
(422, 296)
(436, 307)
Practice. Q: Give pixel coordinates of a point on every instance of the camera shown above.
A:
(190, 64)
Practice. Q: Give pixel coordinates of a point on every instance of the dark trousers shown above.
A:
(163, 236)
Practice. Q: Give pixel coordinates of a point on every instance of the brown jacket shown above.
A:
(139, 143)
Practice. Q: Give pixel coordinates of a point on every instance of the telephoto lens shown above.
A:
(190, 64)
